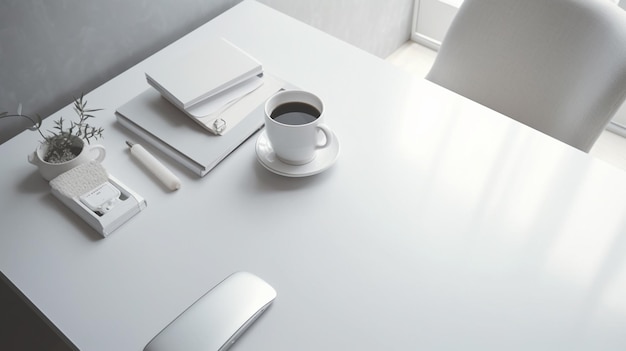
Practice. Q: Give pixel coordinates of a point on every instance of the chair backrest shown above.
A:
(558, 66)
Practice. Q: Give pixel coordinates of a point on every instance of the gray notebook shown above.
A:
(165, 127)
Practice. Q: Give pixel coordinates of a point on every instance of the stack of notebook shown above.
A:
(201, 106)
(207, 81)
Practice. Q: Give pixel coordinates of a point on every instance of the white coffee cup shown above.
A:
(293, 123)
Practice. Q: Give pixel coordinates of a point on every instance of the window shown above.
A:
(431, 19)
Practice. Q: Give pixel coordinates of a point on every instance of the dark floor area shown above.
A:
(20, 327)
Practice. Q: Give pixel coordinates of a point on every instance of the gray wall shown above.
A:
(52, 50)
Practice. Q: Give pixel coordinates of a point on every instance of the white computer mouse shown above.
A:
(217, 319)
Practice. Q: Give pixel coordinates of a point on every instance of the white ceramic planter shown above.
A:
(50, 170)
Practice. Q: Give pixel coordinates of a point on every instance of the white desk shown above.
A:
(443, 226)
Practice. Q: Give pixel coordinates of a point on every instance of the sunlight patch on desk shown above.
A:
(582, 245)
(613, 296)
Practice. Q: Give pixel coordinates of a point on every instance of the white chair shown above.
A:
(558, 66)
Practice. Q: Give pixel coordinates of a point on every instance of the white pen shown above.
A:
(169, 179)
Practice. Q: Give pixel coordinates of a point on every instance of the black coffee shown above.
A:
(295, 113)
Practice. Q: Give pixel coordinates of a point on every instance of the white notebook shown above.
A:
(167, 128)
(209, 70)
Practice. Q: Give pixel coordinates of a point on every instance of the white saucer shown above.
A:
(325, 158)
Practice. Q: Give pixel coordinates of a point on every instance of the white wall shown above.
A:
(53, 50)
(376, 26)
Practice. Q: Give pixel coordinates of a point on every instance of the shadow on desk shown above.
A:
(33, 184)
(20, 327)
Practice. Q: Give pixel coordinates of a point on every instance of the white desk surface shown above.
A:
(443, 226)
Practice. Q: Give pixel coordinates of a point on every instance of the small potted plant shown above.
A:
(68, 144)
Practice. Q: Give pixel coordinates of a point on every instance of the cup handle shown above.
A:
(329, 136)
(33, 157)
(101, 152)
